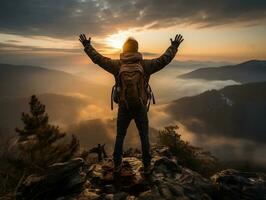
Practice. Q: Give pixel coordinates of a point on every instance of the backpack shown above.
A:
(132, 88)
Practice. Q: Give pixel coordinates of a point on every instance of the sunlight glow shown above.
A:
(117, 40)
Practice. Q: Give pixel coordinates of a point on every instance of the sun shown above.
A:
(117, 40)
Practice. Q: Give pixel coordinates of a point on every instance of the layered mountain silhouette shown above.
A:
(71, 102)
(250, 71)
(64, 94)
(22, 80)
(63, 108)
(235, 111)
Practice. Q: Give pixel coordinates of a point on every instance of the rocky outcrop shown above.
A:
(232, 184)
(60, 179)
(168, 180)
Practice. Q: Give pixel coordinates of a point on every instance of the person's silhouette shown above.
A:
(133, 93)
(100, 151)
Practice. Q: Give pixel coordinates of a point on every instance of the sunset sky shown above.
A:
(46, 33)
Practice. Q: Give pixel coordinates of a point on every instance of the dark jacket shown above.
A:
(150, 66)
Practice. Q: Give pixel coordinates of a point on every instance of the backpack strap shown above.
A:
(112, 97)
(150, 92)
(151, 97)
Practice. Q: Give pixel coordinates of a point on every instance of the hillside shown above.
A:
(22, 80)
(65, 95)
(236, 111)
(250, 71)
(63, 108)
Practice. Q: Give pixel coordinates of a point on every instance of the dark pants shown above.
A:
(123, 120)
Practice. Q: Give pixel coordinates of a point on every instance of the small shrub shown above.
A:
(187, 155)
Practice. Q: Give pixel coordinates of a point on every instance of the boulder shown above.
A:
(170, 181)
(60, 179)
(161, 151)
(233, 184)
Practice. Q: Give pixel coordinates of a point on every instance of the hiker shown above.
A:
(100, 151)
(132, 91)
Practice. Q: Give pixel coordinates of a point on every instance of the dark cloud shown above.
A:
(205, 13)
(66, 18)
(42, 17)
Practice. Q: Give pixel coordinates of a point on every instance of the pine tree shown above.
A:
(40, 143)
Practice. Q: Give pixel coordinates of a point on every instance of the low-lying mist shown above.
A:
(88, 115)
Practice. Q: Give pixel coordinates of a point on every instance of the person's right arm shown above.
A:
(106, 63)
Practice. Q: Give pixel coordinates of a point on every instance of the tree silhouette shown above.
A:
(187, 155)
(40, 143)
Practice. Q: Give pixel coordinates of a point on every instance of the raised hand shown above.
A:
(177, 41)
(84, 40)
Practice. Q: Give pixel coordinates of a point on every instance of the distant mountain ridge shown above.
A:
(235, 111)
(246, 72)
(23, 80)
(64, 94)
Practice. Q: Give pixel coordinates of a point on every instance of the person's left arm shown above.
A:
(155, 65)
